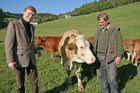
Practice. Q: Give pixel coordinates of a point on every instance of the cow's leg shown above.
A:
(71, 64)
(128, 56)
(133, 57)
(69, 77)
(62, 61)
(52, 56)
(124, 55)
(78, 74)
(136, 61)
(68, 72)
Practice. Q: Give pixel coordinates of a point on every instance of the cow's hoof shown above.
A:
(136, 65)
(62, 64)
(69, 83)
(81, 88)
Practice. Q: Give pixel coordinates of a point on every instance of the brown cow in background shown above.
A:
(136, 51)
(90, 39)
(128, 48)
(49, 44)
(132, 47)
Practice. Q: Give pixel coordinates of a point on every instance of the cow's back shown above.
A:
(136, 44)
(128, 44)
(53, 42)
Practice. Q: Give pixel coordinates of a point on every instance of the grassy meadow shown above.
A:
(53, 77)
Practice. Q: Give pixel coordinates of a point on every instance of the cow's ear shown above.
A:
(39, 37)
(71, 46)
(72, 36)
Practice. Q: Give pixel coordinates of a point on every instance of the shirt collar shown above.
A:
(106, 28)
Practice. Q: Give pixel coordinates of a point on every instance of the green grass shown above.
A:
(2, 35)
(53, 77)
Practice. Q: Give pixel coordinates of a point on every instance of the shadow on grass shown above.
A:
(63, 87)
(88, 71)
(39, 48)
(1, 41)
(125, 73)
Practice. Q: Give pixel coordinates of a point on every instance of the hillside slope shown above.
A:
(126, 17)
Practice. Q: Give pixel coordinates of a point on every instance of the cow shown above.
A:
(49, 44)
(136, 51)
(90, 40)
(74, 50)
(128, 48)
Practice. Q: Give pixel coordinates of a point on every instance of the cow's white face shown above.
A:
(83, 52)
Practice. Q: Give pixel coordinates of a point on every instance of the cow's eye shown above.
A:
(42, 40)
(81, 47)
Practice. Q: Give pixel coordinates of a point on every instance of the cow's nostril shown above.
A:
(93, 59)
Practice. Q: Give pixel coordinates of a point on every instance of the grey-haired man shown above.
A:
(108, 48)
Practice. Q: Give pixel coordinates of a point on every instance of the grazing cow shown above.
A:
(90, 39)
(136, 51)
(49, 44)
(128, 48)
(74, 50)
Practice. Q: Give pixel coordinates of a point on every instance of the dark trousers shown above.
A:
(107, 74)
(20, 78)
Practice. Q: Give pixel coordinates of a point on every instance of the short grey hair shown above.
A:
(103, 15)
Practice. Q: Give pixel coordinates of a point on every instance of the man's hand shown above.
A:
(117, 61)
(12, 65)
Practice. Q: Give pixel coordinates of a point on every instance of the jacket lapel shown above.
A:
(32, 34)
(24, 32)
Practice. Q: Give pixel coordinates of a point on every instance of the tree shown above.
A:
(2, 23)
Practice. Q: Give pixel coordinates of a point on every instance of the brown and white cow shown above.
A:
(49, 44)
(74, 50)
(136, 51)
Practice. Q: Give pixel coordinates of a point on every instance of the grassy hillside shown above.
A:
(126, 17)
(2, 34)
(53, 77)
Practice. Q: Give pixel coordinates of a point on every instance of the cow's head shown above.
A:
(38, 41)
(82, 52)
